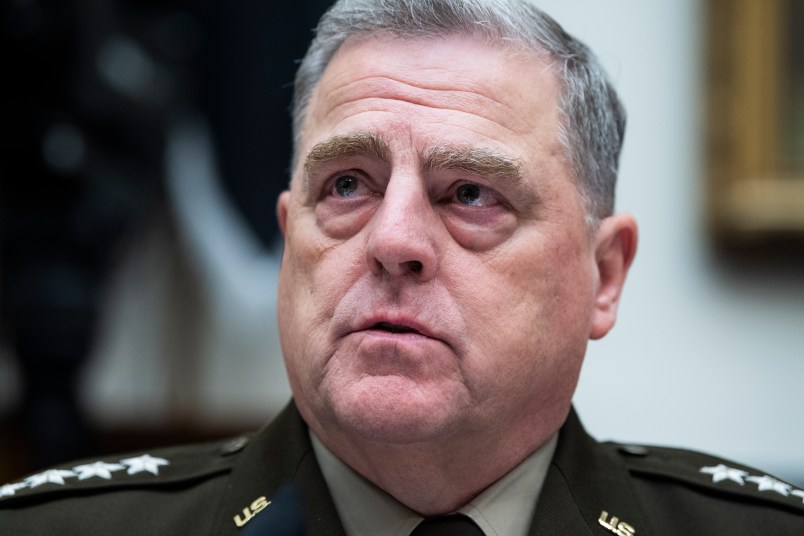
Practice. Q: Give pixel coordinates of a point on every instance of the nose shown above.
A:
(402, 237)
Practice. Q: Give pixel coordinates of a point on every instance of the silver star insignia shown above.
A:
(144, 463)
(8, 490)
(722, 472)
(767, 483)
(51, 476)
(97, 469)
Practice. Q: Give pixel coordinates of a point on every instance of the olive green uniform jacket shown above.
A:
(591, 489)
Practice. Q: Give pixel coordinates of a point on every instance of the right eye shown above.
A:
(346, 186)
(347, 201)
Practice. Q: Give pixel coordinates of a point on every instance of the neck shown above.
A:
(431, 479)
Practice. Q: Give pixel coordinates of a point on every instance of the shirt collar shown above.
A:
(498, 511)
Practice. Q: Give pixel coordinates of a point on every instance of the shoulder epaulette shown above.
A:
(718, 475)
(157, 468)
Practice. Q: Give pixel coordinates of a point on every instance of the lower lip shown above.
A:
(383, 353)
(379, 340)
(402, 335)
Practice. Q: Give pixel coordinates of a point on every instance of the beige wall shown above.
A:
(706, 354)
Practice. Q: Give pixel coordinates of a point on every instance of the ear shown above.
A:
(282, 210)
(615, 247)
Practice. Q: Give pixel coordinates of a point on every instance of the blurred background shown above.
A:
(144, 144)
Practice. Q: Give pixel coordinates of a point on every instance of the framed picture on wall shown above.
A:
(755, 111)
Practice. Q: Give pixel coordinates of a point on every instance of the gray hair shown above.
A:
(593, 117)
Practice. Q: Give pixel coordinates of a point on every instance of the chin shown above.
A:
(391, 411)
(398, 429)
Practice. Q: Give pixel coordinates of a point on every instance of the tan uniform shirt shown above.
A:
(366, 509)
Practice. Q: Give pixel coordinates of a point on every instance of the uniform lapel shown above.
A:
(280, 454)
(587, 490)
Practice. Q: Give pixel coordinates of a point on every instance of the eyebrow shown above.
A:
(476, 161)
(343, 146)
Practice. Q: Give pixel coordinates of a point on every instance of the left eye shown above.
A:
(475, 195)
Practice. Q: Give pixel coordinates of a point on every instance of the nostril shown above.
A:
(415, 266)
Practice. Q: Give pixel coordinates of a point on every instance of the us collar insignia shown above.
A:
(249, 512)
(613, 524)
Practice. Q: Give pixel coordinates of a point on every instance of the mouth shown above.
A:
(392, 328)
(397, 327)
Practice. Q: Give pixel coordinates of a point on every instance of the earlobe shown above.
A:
(615, 247)
(282, 210)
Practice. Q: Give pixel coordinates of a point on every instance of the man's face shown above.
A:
(438, 277)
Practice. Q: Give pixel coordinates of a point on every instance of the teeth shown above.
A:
(393, 328)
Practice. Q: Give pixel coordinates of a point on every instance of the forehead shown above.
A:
(455, 89)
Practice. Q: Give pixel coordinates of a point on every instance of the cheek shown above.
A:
(305, 304)
(299, 303)
(317, 271)
(536, 298)
(529, 325)
(304, 262)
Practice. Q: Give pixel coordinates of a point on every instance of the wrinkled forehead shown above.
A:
(461, 41)
(455, 72)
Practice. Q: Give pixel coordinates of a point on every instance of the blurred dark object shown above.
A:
(87, 88)
(247, 70)
(91, 90)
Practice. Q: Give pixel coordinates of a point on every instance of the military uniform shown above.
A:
(224, 488)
